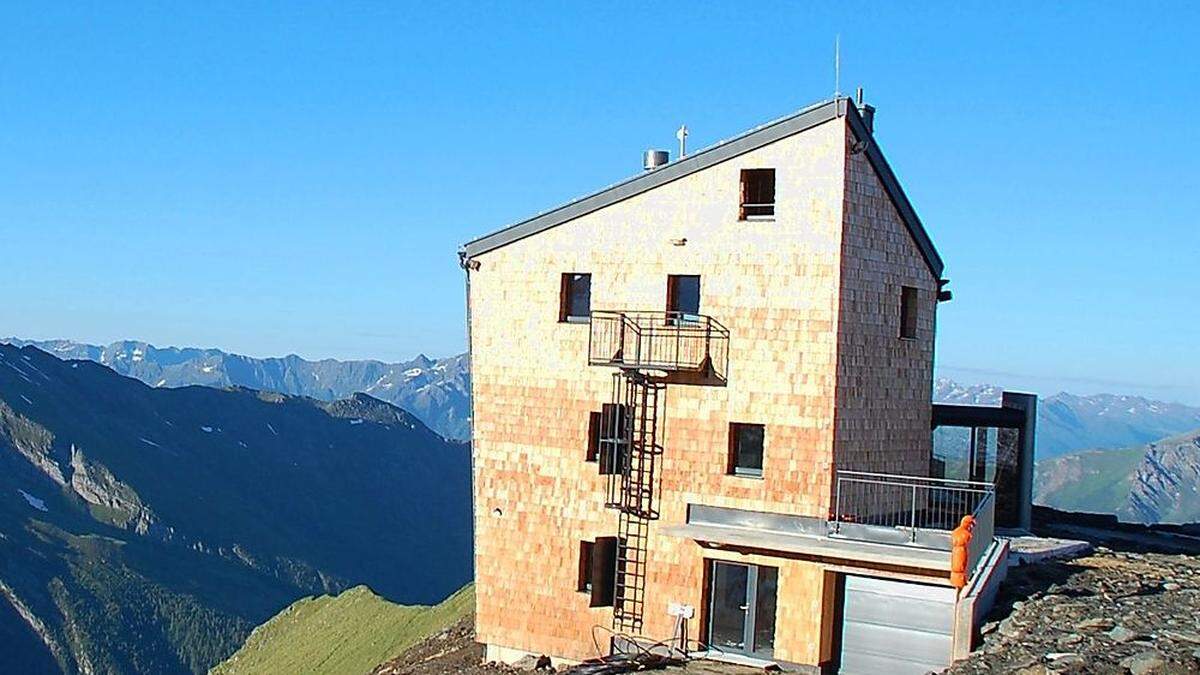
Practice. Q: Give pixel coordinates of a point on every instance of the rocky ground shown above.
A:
(455, 651)
(1132, 605)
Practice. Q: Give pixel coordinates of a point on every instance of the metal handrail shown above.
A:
(671, 341)
(982, 485)
(910, 503)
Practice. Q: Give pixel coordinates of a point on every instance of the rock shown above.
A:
(1171, 586)
(1009, 628)
(1070, 639)
(1098, 623)
(1144, 663)
(1182, 636)
(1066, 661)
(989, 627)
(529, 662)
(1122, 635)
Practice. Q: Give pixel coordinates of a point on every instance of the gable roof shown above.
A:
(770, 132)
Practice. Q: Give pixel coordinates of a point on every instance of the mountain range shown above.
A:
(437, 391)
(1069, 422)
(149, 529)
(1157, 482)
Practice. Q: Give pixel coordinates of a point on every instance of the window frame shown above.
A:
(583, 584)
(564, 298)
(910, 312)
(612, 446)
(674, 314)
(745, 177)
(733, 468)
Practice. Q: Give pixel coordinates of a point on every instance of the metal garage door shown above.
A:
(896, 627)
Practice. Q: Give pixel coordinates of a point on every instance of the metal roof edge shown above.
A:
(753, 139)
(896, 193)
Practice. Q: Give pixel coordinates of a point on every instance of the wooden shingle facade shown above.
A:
(811, 296)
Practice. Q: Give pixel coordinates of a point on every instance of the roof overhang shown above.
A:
(766, 134)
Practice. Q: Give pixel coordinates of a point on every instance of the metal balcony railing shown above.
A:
(915, 510)
(667, 341)
(910, 502)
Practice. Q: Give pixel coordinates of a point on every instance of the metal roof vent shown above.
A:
(652, 159)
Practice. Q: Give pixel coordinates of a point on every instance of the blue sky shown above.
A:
(279, 178)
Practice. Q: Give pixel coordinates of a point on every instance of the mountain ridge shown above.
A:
(435, 390)
(1158, 482)
(1070, 422)
(150, 529)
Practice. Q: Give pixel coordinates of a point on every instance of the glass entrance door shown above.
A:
(742, 608)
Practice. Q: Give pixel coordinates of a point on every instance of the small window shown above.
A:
(612, 441)
(758, 194)
(746, 449)
(683, 297)
(908, 312)
(584, 584)
(575, 300)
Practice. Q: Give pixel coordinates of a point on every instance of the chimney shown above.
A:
(867, 112)
(652, 159)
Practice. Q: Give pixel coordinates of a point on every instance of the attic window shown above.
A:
(575, 298)
(758, 194)
(908, 312)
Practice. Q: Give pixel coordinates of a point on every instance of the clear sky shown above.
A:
(296, 178)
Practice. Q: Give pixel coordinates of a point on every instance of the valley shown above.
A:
(151, 529)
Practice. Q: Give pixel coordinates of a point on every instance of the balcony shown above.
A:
(879, 519)
(690, 348)
(913, 511)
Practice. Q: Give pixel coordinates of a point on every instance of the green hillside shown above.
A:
(348, 633)
(1095, 480)
(1153, 483)
(149, 530)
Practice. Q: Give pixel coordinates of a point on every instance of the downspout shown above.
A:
(467, 265)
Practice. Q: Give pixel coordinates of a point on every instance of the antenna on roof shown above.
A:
(682, 136)
(837, 66)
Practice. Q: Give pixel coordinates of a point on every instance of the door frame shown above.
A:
(748, 626)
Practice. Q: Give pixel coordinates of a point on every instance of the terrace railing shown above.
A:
(911, 503)
(667, 341)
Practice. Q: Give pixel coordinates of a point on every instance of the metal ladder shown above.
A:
(637, 501)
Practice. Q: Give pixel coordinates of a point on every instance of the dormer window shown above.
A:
(758, 194)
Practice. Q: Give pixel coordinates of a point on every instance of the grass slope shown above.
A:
(348, 633)
(1095, 481)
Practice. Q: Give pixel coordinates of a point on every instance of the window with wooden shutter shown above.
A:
(584, 583)
(614, 439)
(595, 423)
(604, 571)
